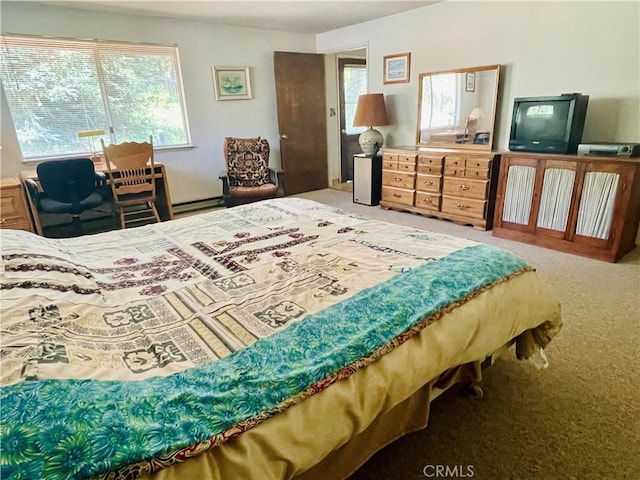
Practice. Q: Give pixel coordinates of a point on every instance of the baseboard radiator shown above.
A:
(188, 207)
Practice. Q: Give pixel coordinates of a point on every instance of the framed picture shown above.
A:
(397, 68)
(232, 83)
(470, 82)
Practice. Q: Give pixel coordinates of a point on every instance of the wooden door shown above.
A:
(300, 94)
(350, 87)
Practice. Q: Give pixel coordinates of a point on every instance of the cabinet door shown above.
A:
(13, 207)
(515, 199)
(558, 184)
(600, 195)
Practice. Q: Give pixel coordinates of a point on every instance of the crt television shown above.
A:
(548, 124)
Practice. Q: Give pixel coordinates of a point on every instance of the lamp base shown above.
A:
(370, 141)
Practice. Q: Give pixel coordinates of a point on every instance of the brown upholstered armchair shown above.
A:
(248, 177)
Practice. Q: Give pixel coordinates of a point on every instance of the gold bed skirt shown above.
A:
(331, 434)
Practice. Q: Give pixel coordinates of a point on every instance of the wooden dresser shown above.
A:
(14, 212)
(458, 185)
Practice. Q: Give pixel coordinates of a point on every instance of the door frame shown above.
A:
(333, 119)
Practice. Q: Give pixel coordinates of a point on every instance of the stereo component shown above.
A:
(607, 149)
(367, 179)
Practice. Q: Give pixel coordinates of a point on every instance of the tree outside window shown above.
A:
(56, 88)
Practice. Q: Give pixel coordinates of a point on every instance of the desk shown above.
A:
(459, 136)
(163, 198)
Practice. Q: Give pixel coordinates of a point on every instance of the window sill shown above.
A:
(88, 155)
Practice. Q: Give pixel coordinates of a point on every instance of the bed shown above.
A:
(276, 340)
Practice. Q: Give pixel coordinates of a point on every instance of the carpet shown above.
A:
(578, 419)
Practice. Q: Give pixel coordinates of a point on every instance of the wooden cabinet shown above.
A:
(14, 212)
(585, 205)
(445, 183)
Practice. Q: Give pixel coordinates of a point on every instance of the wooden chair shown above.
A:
(470, 129)
(131, 171)
(248, 177)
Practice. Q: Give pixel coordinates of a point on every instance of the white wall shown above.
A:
(193, 173)
(546, 48)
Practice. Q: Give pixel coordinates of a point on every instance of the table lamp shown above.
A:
(370, 112)
(90, 134)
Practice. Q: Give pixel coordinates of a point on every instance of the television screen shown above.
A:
(548, 124)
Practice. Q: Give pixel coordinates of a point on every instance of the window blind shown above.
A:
(58, 87)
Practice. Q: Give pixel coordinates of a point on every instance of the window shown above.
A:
(354, 85)
(441, 101)
(56, 88)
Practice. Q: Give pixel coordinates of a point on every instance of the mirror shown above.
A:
(457, 108)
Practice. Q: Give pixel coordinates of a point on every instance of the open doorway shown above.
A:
(352, 82)
(341, 104)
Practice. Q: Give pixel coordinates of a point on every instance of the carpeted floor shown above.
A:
(578, 419)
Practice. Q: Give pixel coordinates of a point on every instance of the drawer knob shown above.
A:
(427, 200)
(464, 187)
(397, 195)
(428, 182)
(2, 220)
(463, 206)
(397, 179)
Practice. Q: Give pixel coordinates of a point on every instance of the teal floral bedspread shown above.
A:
(59, 428)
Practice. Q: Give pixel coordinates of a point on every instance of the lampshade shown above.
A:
(476, 113)
(370, 112)
(90, 133)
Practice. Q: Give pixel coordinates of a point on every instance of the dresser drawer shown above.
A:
(397, 195)
(429, 169)
(427, 201)
(452, 161)
(389, 165)
(398, 179)
(478, 162)
(482, 173)
(453, 170)
(406, 167)
(430, 160)
(428, 183)
(465, 187)
(407, 158)
(466, 207)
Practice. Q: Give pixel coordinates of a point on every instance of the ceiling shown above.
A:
(293, 16)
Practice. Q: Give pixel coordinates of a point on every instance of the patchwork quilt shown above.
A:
(123, 352)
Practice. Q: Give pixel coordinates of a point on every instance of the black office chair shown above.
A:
(68, 186)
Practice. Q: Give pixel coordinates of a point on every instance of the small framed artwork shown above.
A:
(397, 68)
(232, 83)
(470, 82)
